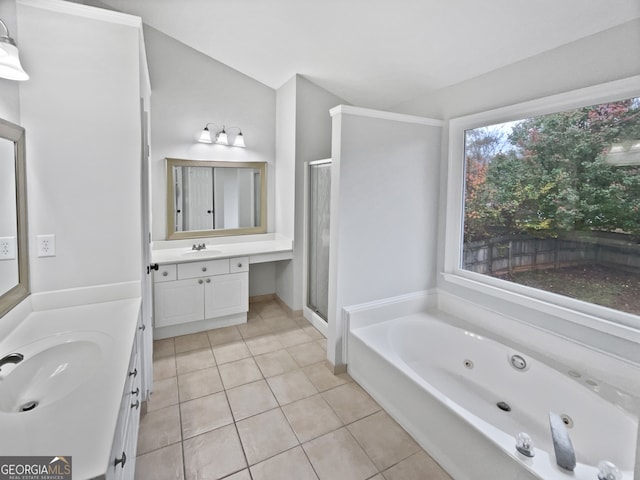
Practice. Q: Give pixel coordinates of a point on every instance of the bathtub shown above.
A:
(443, 383)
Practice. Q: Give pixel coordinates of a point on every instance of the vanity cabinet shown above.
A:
(216, 291)
(123, 452)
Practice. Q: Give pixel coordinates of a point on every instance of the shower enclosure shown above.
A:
(318, 216)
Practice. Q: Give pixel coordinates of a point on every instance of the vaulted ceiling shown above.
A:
(376, 53)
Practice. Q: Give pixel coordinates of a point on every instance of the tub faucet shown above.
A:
(565, 454)
(11, 358)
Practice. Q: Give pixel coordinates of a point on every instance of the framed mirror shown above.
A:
(14, 255)
(206, 199)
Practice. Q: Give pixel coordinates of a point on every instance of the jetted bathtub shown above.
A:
(461, 397)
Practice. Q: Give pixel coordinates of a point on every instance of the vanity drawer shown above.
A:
(203, 269)
(165, 273)
(239, 264)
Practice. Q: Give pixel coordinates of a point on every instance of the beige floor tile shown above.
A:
(291, 386)
(251, 399)
(276, 363)
(265, 435)
(194, 360)
(220, 336)
(242, 475)
(313, 332)
(322, 343)
(238, 373)
(204, 414)
(162, 464)
(164, 367)
(307, 354)
(159, 429)
(199, 383)
(293, 337)
(377, 477)
(165, 393)
(292, 464)
(269, 309)
(383, 440)
(281, 324)
(417, 467)
(254, 328)
(337, 455)
(231, 352)
(311, 417)
(323, 378)
(163, 348)
(214, 454)
(194, 341)
(350, 402)
(264, 344)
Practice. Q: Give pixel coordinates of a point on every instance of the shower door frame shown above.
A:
(315, 319)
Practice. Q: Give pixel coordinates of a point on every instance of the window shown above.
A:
(552, 202)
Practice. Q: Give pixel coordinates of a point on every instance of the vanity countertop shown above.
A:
(260, 249)
(76, 419)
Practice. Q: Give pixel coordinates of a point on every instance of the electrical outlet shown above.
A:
(7, 248)
(46, 245)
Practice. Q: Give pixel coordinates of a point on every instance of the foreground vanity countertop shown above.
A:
(263, 248)
(77, 420)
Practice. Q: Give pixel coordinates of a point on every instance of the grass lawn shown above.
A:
(591, 283)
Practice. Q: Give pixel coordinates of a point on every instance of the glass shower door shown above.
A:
(318, 235)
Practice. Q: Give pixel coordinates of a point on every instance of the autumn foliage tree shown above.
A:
(551, 175)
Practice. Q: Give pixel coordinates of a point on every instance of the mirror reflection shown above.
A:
(14, 262)
(215, 198)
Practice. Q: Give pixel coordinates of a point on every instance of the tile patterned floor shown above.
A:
(258, 402)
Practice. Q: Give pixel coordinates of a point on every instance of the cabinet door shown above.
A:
(226, 294)
(178, 302)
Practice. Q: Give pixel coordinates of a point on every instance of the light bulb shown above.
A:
(239, 141)
(222, 138)
(205, 136)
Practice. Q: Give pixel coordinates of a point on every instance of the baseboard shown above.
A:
(262, 298)
(287, 308)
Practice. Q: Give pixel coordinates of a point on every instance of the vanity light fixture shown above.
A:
(221, 137)
(10, 67)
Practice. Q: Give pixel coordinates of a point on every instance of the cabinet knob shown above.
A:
(136, 392)
(136, 405)
(239, 265)
(165, 273)
(121, 461)
(204, 269)
(200, 281)
(134, 373)
(208, 280)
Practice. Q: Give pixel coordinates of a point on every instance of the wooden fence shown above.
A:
(504, 255)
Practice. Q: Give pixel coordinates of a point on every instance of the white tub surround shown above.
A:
(269, 247)
(82, 413)
(442, 378)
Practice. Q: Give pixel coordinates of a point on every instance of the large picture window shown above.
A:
(553, 202)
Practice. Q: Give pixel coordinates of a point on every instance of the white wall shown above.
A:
(82, 124)
(285, 181)
(384, 209)
(189, 90)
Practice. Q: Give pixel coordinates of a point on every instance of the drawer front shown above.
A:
(165, 273)
(203, 269)
(239, 264)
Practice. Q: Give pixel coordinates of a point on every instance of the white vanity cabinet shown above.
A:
(123, 453)
(195, 296)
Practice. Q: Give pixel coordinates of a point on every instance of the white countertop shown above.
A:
(225, 247)
(82, 424)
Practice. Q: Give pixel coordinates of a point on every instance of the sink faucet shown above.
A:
(11, 358)
(202, 246)
(565, 454)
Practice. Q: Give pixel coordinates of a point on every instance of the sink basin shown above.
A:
(52, 368)
(201, 253)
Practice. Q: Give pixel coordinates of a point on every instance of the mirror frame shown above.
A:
(176, 162)
(15, 295)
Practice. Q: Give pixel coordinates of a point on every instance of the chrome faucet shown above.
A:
(11, 358)
(202, 246)
(565, 454)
